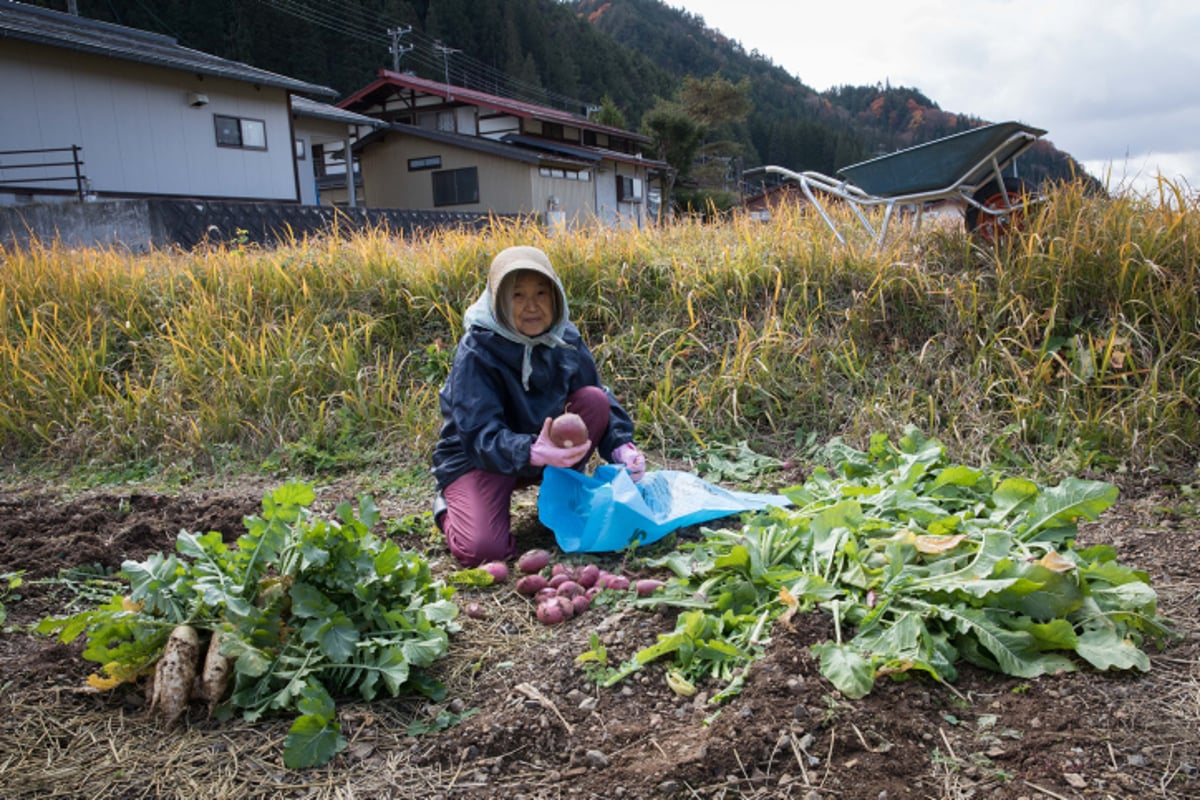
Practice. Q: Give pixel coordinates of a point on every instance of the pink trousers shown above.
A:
(478, 520)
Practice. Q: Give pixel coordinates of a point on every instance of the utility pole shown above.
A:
(446, 53)
(396, 49)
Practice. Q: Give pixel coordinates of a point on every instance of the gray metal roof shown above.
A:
(56, 29)
(304, 107)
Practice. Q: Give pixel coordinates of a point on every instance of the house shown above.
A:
(101, 111)
(768, 199)
(324, 135)
(450, 147)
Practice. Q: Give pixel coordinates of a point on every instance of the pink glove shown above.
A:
(545, 453)
(632, 459)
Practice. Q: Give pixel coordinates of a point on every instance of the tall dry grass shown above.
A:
(1073, 344)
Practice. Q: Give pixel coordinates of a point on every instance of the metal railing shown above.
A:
(38, 160)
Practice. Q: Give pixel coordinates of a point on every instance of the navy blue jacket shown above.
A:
(489, 420)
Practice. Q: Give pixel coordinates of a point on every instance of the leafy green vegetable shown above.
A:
(311, 609)
(925, 563)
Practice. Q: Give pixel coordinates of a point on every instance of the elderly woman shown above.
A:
(520, 363)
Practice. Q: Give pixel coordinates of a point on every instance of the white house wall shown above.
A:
(138, 132)
(309, 132)
(572, 197)
(606, 197)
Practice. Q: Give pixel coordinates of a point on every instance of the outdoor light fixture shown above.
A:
(197, 100)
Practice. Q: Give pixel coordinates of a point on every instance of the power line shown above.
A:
(428, 53)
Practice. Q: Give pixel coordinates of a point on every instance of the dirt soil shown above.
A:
(533, 725)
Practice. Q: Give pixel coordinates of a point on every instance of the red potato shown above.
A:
(497, 569)
(475, 611)
(533, 561)
(587, 575)
(581, 603)
(550, 613)
(569, 589)
(562, 569)
(558, 580)
(555, 610)
(545, 594)
(618, 582)
(531, 584)
(568, 430)
(647, 586)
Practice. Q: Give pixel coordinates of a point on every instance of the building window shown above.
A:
(629, 190)
(248, 134)
(425, 162)
(568, 174)
(455, 187)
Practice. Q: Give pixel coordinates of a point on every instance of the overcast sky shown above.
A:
(1115, 82)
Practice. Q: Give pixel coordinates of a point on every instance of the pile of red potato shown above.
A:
(561, 590)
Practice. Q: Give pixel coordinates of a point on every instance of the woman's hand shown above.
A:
(632, 459)
(545, 453)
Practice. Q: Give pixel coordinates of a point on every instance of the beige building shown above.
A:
(457, 149)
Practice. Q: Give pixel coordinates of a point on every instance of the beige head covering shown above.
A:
(493, 309)
(504, 268)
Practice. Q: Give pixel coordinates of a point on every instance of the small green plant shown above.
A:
(594, 661)
(12, 581)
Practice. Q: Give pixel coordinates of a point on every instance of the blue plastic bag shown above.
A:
(607, 511)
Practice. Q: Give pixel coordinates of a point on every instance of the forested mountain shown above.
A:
(627, 56)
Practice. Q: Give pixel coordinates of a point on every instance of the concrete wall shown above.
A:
(145, 224)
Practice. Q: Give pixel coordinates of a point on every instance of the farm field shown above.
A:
(146, 396)
(1082, 734)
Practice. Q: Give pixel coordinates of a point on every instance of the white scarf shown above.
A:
(480, 313)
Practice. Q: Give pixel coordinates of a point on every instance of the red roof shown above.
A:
(519, 108)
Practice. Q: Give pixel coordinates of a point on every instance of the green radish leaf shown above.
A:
(424, 651)
(956, 475)
(1064, 504)
(1057, 634)
(852, 674)
(336, 636)
(315, 701)
(312, 741)
(390, 664)
(1104, 649)
(1010, 495)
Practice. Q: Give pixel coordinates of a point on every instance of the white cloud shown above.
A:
(1115, 83)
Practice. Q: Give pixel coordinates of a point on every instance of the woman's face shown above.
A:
(532, 303)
